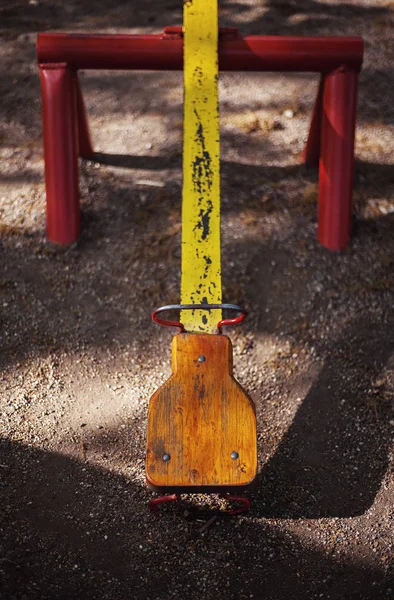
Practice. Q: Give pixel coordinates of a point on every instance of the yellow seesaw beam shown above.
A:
(201, 268)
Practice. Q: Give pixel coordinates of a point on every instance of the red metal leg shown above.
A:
(337, 159)
(85, 148)
(244, 504)
(155, 503)
(60, 153)
(311, 153)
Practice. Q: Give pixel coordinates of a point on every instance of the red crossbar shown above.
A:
(165, 52)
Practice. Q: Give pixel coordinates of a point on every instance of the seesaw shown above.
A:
(201, 423)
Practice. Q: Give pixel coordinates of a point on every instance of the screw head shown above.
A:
(234, 455)
(201, 359)
(166, 457)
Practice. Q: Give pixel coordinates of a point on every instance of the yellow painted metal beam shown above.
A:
(201, 267)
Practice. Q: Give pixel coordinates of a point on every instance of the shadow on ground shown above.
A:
(374, 179)
(74, 530)
(322, 466)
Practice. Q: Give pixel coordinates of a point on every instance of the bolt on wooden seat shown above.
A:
(201, 423)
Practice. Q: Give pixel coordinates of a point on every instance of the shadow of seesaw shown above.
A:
(72, 530)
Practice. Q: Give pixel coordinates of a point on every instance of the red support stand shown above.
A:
(311, 153)
(60, 153)
(330, 141)
(337, 159)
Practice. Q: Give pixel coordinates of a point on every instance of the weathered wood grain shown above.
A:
(199, 417)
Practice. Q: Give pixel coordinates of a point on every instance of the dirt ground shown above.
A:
(80, 357)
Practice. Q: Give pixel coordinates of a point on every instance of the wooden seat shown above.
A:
(201, 423)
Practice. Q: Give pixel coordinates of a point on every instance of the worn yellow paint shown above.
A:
(201, 268)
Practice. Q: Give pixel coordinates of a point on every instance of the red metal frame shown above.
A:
(337, 158)
(331, 136)
(60, 153)
(164, 51)
(241, 500)
(154, 504)
(244, 503)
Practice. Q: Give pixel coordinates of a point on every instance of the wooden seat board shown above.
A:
(200, 416)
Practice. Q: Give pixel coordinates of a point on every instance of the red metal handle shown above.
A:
(222, 323)
(166, 322)
(233, 321)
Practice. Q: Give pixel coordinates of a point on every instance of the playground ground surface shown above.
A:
(80, 356)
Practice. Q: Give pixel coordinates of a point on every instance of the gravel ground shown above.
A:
(80, 357)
